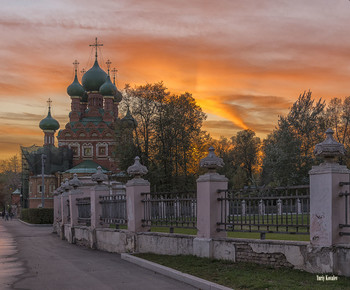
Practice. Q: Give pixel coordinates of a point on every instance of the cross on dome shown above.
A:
(49, 103)
(108, 63)
(76, 63)
(96, 44)
(114, 71)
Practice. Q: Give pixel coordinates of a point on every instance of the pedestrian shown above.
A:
(6, 216)
(3, 214)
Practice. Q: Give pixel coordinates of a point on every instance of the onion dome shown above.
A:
(128, 120)
(75, 89)
(118, 96)
(94, 78)
(108, 88)
(49, 123)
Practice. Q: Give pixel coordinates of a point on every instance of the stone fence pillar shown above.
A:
(134, 188)
(57, 213)
(327, 209)
(65, 206)
(96, 192)
(208, 207)
(74, 194)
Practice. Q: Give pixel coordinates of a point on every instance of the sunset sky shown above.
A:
(245, 62)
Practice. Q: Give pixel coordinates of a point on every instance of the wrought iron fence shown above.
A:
(346, 223)
(84, 210)
(266, 213)
(113, 209)
(170, 209)
(68, 210)
(267, 191)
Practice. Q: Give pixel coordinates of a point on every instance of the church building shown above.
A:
(94, 111)
(87, 141)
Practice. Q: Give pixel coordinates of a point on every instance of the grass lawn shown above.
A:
(242, 235)
(246, 275)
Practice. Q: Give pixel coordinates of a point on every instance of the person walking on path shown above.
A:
(6, 216)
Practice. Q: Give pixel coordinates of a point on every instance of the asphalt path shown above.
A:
(34, 258)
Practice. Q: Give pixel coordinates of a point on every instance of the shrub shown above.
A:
(37, 215)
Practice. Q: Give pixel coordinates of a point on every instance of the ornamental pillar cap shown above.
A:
(212, 162)
(137, 169)
(99, 176)
(65, 186)
(329, 149)
(60, 189)
(75, 182)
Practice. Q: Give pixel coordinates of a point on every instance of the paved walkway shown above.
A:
(34, 258)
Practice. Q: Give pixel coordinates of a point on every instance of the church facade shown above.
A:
(87, 141)
(94, 110)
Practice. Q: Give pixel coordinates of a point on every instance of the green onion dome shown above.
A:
(75, 89)
(94, 78)
(49, 123)
(118, 96)
(128, 120)
(108, 88)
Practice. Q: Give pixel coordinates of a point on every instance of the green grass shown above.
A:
(246, 275)
(241, 235)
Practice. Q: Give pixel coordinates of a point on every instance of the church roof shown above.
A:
(49, 123)
(75, 89)
(108, 88)
(87, 166)
(94, 78)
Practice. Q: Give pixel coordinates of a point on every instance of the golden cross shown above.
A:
(49, 103)
(96, 44)
(114, 71)
(76, 63)
(108, 63)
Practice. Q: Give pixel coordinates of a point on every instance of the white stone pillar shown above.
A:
(279, 206)
(244, 208)
(134, 204)
(326, 207)
(65, 206)
(74, 194)
(95, 193)
(208, 206)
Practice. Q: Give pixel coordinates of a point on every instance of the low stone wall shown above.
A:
(164, 244)
(291, 254)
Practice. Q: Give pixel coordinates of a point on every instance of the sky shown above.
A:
(245, 62)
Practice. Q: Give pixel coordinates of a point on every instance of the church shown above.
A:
(87, 141)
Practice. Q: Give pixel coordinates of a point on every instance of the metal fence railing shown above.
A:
(68, 211)
(170, 209)
(113, 209)
(346, 223)
(84, 210)
(271, 212)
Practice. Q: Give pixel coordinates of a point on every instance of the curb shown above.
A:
(177, 275)
(35, 225)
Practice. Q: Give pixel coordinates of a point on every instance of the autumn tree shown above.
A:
(9, 179)
(241, 155)
(247, 153)
(338, 118)
(168, 136)
(288, 150)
